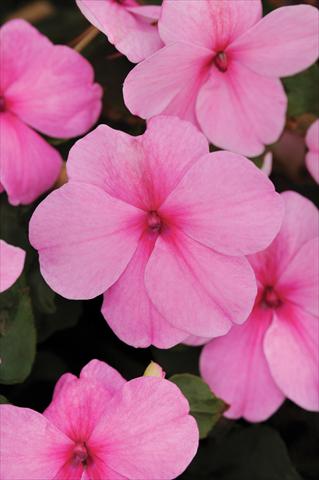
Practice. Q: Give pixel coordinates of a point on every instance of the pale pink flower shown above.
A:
(100, 427)
(312, 157)
(161, 226)
(131, 27)
(275, 353)
(220, 68)
(43, 86)
(11, 264)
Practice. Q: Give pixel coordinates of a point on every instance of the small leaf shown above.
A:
(204, 406)
(303, 96)
(17, 335)
(3, 400)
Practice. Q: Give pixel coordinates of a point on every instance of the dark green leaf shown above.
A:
(65, 315)
(41, 294)
(204, 406)
(3, 400)
(17, 335)
(302, 91)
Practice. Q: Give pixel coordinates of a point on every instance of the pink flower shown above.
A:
(11, 264)
(131, 27)
(46, 87)
(161, 226)
(275, 353)
(312, 157)
(220, 68)
(99, 427)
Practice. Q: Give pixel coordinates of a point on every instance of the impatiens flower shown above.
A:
(46, 87)
(275, 353)
(100, 427)
(220, 68)
(312, 157)
(161, 227)
(11, 264)
(131, 27)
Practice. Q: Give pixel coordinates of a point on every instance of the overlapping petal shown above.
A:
(49, 87)
(29, 165)
(240, 110)
(283, 43)
(129, 28)
(143, 424)
(226, 203)
(236, 369)
(197, 289)
(85, 239)
(11, 264)
(163, 85)
(31, 447)
(300, 224)
(139, 170)
(292, 351)
(129, 310)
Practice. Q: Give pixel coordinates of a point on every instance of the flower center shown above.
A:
(221, 61)
(271, 298)
(80, 455)
(154, 221)
(2, 104)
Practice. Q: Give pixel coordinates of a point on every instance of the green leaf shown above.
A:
(3, 400)
(17, 335)
(65, 315)
(303, 92)
(41, 294)
(204, 406)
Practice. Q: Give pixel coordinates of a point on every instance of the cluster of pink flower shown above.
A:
(186, 245)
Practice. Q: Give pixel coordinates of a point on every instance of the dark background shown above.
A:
(276, 450)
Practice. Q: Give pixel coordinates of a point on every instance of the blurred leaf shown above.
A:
(245, 453)
(3, 400)
(204, 406)
(41, 294)
(179, 359)
(65, 315)
(302, 91)
(17, 335)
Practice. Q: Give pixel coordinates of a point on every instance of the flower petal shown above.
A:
(85, 239)
(312, 157)
(298, 211)
(48, 86)
(299, 282)
(283, 43)
(226, 203)
(197, 289)
(168, 82)
(78, 406)
(209, 24)
(129, 30)
(102, 373)
(129, 310)
(292, 351)
(147, 431)
(29, 165)
(241, 111)
(139, 170)
(235, 368)
(31, 447)
(11, 264)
